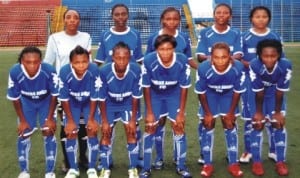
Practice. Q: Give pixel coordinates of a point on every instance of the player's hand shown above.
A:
(49, 127)
(150, 125)
(92, 127)
(258, 121)
(208, 122)
(71, 130)
(278, 120)
(229, 121)
(22, 127)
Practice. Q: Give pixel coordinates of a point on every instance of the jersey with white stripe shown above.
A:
(209, 36)
(77, 90)
(109, 38)
(182, 39)
(165, 81)
(119, 92)
(251, 39)
(61, 44)
(208, 79)
(278, 79)
(33, 89)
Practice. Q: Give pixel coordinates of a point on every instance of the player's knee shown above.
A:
(91, 133)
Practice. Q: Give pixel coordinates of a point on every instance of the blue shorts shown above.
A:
(82, 110)
(34, 111)
(269, 107)
(219, 104)
(123, 116)
(168, 106)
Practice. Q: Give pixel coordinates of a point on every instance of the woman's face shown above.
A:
(260, 19)
(222, 15)
(269, 57)
(80, 64)
(170, 20)
(31, 63)
(71, 21)
(120, 17)
(221, 59)
(121, 58)
(165, 52)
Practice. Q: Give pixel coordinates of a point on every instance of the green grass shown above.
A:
(9, 165)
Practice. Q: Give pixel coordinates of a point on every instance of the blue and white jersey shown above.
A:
(165, 81)
(269, 82)
(209, 36)
(182, 39)
(32, 89)
(209, 80)
(119, 92)
(79, 91)
(251, 39)
(109, 38)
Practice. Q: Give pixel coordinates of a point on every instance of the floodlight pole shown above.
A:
(48, 11)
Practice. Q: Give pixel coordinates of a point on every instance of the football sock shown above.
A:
(24, 145)
(93, 151)
(50, 147)
(71, 149)
(231, 144)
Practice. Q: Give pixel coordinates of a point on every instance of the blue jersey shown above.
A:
(209, 36)
(166, 81)
(251, 39)
(119, 92)
(209, 80)
(182, 39)
(79, 91)
(109, 38)
(219, 87)
(32, 89)
(269, 82)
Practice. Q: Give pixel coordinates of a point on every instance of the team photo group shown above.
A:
(237, 75)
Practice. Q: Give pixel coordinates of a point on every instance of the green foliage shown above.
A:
(9, 166)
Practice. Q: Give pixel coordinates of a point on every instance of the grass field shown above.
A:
(8, 159)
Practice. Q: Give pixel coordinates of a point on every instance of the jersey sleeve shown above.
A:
(53, 81)
(137, 87)
(13, 90)
(188, 50)
(63, 86)
(103, 90)
(202, 47)
(284, 80)
(185, 78)
(50, 54)
(100, 55)
(239, 85)
(201, 84)
(150, 44)
(256, 81)
(96, 83)
(145, 74)
(238, 44)
(138, 53)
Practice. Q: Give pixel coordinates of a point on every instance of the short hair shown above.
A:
(269, 43)
(119, 5)
(65, 13)
(121, 44)
(267, 10)
(169, 9)
(29, 49)
(78, 50)
(223, 4)
(163, 39)
(220, 45)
